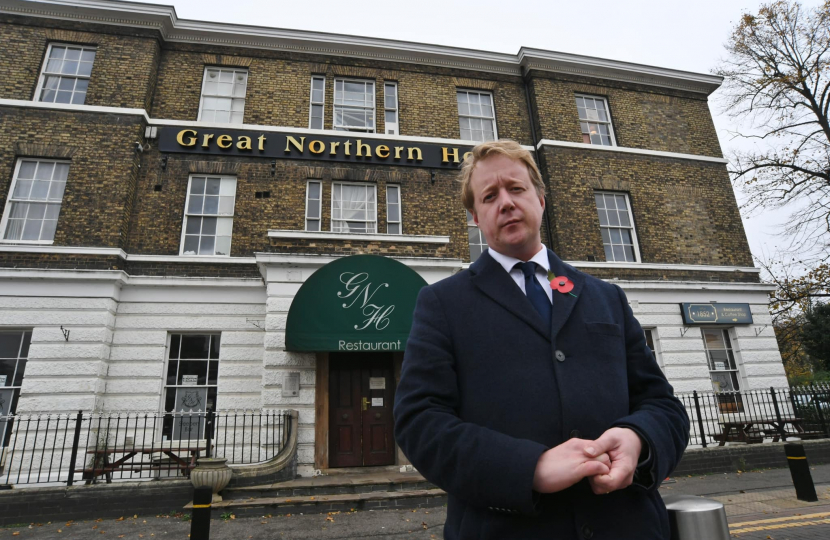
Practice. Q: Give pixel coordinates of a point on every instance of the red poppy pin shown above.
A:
(561, 284)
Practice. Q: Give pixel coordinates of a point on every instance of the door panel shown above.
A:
(360, 417)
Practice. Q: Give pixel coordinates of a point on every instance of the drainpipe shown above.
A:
(536, 155)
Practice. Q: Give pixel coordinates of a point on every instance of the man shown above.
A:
(541, 412)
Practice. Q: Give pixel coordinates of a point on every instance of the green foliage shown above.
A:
(815, 335)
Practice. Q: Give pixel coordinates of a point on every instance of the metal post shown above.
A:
(817, 405)
(209, 431)
(200, 520)
(800, 471)
(699, 419)
(781, 430)
(74, 455)
(694, 518)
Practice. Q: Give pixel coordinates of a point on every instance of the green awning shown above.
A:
(358, 303)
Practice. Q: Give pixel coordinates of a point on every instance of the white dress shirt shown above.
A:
(542, 268)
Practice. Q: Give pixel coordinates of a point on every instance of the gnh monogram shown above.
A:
(359, 292)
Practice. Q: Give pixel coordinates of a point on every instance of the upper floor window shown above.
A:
(390, 100)
(393, 209)
(65, 74)
(476, 116)
(313, 205)
(619, 237)
(594, 120)
(223, 95)
(477, 241)
(354, 105)
(353, 208)
(318, 102)
(208, 218)
(31, 213)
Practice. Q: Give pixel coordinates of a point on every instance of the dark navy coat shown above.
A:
(485, 389)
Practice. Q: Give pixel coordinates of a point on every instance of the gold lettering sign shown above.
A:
(191, 139)
(316, 147)
(291, 141)
(446, 155)
(382, 151)
(224, 141)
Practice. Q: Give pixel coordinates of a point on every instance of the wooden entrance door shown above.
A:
(360, 410)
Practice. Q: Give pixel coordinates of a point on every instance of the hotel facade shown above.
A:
(228, 217)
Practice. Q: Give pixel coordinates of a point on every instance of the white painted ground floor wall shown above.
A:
(119, 326)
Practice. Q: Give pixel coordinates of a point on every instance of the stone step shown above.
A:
(332, 485)
(374, 500)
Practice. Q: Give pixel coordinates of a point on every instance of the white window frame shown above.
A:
(312, 103)
(399, 221)
(607, 122)
(387, 109)
(373, 222)
(657, 349)
(10, 388)
(460, 116)
(10, 200)
(43, 73)
(308, 203)
(175, 387)
(471, 224)
(232, 97)
(743, 385)
(632, 228)
(335, 106)
(218, 215)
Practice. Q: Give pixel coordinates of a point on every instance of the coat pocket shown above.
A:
(609, 329)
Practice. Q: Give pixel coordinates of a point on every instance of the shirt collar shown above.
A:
(541, 259)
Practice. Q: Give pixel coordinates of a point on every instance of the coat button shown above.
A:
(575, 434)
(587, 532)
(559, 356)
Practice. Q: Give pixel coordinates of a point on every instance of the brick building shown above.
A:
(181, 201)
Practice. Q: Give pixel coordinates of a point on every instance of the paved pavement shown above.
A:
(761, 505)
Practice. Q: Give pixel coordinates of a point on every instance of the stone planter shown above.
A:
(213, 473)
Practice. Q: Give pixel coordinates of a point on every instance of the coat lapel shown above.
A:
(563, 303)
(489, 276)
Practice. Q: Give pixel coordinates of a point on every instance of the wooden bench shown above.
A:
(123, 464)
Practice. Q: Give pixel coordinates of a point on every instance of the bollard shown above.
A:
(800, 471)
(200, 519)
(695, 518)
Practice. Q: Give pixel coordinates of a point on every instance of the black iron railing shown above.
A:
(89, 447)
(755, 416)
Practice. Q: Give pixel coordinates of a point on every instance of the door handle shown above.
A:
(365, 404)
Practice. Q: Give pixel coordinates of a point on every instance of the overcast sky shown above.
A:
(668, 33)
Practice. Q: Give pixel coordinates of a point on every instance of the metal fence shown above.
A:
(756, 416)
(89, 447)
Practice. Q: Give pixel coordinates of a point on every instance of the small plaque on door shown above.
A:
(190, 380)
(377, 383)
(377, 402)
(291, 384)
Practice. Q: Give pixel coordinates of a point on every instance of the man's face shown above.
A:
(507, 207)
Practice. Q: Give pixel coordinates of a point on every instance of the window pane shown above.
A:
(211, 205)
(195, 206)
(191, 367)
(313, 190)
(223, 246)
(214, 347)
(193, 225)
(10, 344)
(312, 225)
(224, 226)
(206, 245)
(619, 253)
(394, 228)
(194, 346)
(208, 225)
(191, 245)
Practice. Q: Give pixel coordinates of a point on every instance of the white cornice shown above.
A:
(354, 237)
(62, 250)
(191, 259)
(21, 103)
(589, 66)
(165, 21)
(627, 150)
(670, 267)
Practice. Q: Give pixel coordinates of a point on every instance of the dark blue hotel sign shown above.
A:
(716, 313)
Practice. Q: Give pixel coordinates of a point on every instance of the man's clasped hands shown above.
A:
(608, 462)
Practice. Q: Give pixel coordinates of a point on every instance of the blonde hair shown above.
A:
(504, 147)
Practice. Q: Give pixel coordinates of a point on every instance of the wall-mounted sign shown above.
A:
(3, 380)
(291, 384)
(377, 402)
(284, 145)
(377, 383)
(190, 380)
(361, 303)
(716, 313)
